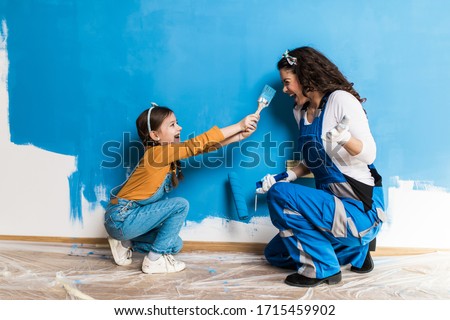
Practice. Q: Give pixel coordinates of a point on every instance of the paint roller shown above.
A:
(277, 177)
(259, 190)
(238, 195)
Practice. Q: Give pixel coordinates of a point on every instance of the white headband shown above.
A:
(148, 117)
(290, 59)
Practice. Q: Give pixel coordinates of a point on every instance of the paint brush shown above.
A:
(265, 97)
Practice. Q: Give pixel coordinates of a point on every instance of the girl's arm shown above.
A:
(242, 130)
(234, 138)
(209, 141)
(248, 123)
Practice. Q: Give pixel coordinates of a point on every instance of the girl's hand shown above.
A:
(250, 122)
(247, 133)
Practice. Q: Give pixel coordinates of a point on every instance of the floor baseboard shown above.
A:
(211, 246)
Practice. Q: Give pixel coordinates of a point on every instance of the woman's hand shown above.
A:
(339, 134)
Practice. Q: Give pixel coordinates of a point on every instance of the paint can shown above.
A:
(291, 164)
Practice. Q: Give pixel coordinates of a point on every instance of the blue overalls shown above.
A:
(321, 229)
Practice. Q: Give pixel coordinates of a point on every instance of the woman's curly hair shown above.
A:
(316, 72)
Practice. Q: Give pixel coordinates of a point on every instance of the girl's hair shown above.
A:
(157, 116)
(316, 72)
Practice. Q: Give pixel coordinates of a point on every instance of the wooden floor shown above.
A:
(31, 271)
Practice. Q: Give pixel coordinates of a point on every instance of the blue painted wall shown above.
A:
(81, 72)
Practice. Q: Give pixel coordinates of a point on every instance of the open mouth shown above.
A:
(294, 96)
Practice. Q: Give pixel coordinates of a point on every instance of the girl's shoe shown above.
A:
(165, 264)
(122, 255)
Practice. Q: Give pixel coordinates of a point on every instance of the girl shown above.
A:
(321, 229)
(139, 216)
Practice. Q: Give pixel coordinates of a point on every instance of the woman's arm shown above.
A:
(300, 170)
(353, 146)
(359, 142)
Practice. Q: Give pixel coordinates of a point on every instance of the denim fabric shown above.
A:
(151, 224)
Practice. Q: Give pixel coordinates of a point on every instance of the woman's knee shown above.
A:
(278, 191)
(277, 254)
(269, 252)
(276, 199)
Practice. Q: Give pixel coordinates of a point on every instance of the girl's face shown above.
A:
(292, 86)
(169, 131)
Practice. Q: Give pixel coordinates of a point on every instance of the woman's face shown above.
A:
(292, 86)
(169, 131)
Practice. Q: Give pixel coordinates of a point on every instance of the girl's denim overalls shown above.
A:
(152, 224)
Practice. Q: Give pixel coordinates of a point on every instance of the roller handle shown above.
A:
(277, 177)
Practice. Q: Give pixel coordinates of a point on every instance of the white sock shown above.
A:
(153, 256)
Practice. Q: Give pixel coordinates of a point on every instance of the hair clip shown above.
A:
(148, 116)
(290, 59)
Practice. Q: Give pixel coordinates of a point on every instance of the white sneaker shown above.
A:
(122, 255)
(165, 264)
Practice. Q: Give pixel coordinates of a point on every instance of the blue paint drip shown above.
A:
(75, 197)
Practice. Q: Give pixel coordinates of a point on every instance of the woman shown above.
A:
(321, 229)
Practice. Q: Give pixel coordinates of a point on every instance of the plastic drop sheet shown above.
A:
(38, 271)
